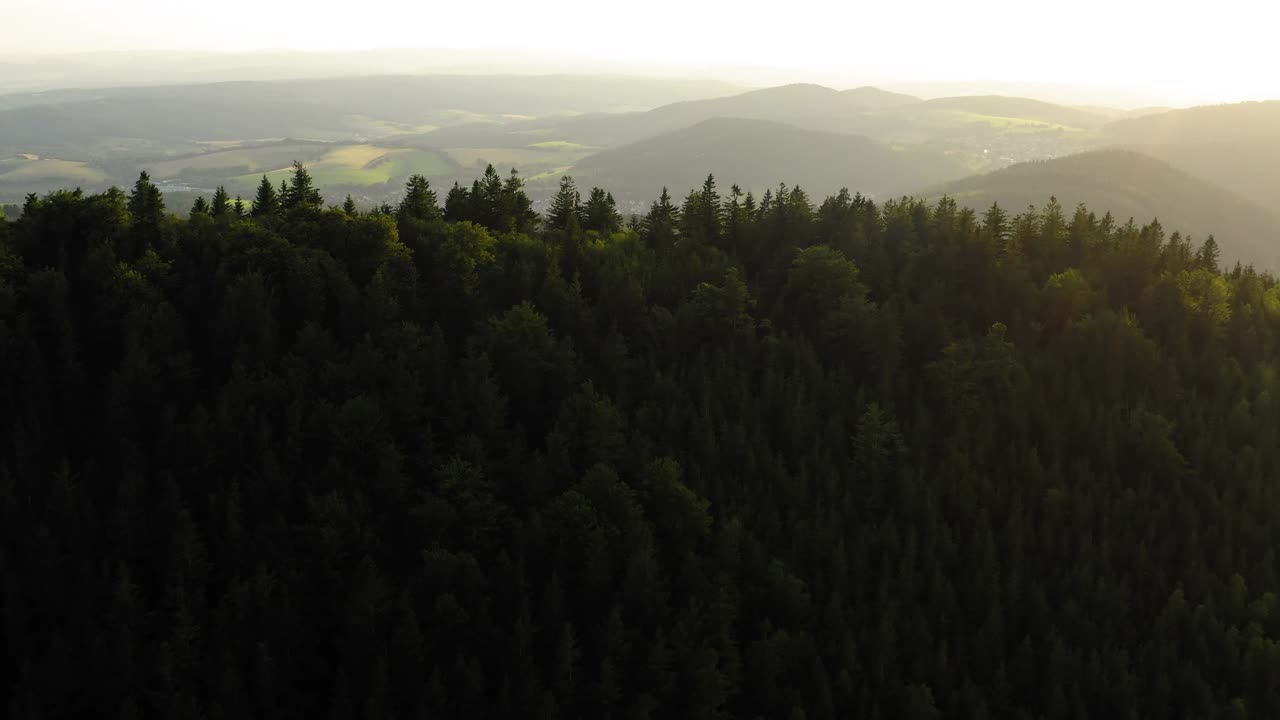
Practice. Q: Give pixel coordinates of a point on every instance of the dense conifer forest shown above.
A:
(736, 457)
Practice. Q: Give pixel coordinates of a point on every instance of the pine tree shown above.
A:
(238, 208)
(146, 207)
(419, 202)
(301, 192)
(566, 206)
(1209, 254)
(710, 210)
(519, 206)
(146, 204)
(267, 202)
(199, 207)
(601, 213)
(221, 202)
(349, 206)
(660, 225)
(457, 204)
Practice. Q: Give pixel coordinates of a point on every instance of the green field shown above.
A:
(1009, 124)
(241, 160)
(23, 170)
(360, 165)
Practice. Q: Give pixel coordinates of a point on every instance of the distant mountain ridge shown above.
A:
(1017, 107)
(1236, 146)
(332, 108)
(866, 111)
(755, 154)
(1238, 122)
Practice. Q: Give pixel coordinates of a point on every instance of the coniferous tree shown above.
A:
(1209, 254)
(301, 191)
(566, 206)
(517, 203)
(661, 225)
(601, 213)
(267, 202)
(419, 200)
(146, 204)
(221, 203)
(457, 204)
(146, 208)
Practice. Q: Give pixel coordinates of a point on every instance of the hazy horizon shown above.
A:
(1097, 46)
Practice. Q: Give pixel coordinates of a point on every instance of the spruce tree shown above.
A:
(601, 212)
(419, 202)
(146, 204)
(1209, 254)
(199, 207)
(457, 204)
(519, 206)
(267, 201)
(566, 206)
(221, 202)
(301, 192)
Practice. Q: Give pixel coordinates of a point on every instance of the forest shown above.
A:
(738, 456)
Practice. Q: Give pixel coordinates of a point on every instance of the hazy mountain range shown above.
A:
(1205, 170)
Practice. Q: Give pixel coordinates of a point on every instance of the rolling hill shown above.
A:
(1131, 185)
(1239, 122)
(1015, 108)
(756, 154)
(986, 131)
(810, 106)
(1235, 146)
(329, 109)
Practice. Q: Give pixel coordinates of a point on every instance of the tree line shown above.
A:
(737, 457)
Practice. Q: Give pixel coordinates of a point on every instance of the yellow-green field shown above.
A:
(1008, 124)
(21, 169)
(552, 174)
(562, 146)
(360, 165)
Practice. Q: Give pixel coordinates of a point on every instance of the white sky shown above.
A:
(1222, 50)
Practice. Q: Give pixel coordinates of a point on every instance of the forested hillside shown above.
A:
(747, 457)
(1132, 185)
(755, 153)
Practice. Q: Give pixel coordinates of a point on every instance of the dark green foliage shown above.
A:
(419, 202)
(267, 202)
(601, 213)
(566, 206)
(500, 205)
(744, 459)
(301, 191)
(221, 203)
